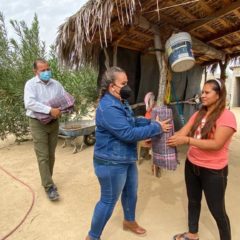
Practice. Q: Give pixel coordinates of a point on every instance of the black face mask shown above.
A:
(125, 92)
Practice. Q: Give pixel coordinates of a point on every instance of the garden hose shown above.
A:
(29, 210)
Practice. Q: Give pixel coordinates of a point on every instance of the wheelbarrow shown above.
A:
(70, 130)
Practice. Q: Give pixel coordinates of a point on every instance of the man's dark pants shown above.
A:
(45, 138)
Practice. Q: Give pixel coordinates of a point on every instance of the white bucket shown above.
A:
(179, 51)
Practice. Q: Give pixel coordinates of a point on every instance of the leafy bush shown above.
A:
(16, 59)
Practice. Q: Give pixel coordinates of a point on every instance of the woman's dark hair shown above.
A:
(109, 77)
(219, 87)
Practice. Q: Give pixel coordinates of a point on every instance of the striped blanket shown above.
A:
(64, 102)
(163, 155)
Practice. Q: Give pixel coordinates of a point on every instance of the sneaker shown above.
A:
(52, 194)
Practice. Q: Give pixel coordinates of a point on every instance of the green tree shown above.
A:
(82, 83)
(16, 59)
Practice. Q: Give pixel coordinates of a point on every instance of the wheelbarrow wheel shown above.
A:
(90, 139)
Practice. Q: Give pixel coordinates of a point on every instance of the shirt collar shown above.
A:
(38, 80)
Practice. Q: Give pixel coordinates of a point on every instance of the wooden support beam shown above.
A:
(227, 2)
(141, 34)
(175, 25)
(236, 12)
(191, 16)
(223, 34)
(205, 7)
(204, 58)
(210, 29)
(127, 46)
(203, 48)
(124, 33)
(216, 43)
(219, 14)
(209, 11)
(170, 21)
(232, 49)
(143, 23)
(225, 23)
(181, 10)
(136, 43)
(227, 40)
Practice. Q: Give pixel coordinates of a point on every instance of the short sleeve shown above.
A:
(227, 119)
(192, 118)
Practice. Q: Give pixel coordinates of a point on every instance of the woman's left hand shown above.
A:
(176, 140)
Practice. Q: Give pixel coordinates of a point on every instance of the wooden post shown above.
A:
(162, 81)
(223, 66)
(162, 68)
(107, 62)
(205, 74)
(115, 48)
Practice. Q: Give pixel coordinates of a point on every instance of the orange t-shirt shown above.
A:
(212, 159)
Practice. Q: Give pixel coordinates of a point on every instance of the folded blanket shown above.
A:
(164, 156)
(64, 102)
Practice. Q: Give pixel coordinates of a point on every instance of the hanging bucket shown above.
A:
(179, 51)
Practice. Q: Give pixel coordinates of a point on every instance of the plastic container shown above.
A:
(179, 51)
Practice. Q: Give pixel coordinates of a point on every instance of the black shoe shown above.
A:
(52, 194)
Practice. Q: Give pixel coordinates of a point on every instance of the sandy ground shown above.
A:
(162, 203)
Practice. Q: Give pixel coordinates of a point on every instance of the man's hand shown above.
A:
(55, 112)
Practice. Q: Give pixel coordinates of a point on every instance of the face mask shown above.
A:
(45, 76)
(125, 92)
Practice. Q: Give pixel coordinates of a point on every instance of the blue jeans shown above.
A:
(114, 179)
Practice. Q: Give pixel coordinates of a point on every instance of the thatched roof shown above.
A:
(101, 23)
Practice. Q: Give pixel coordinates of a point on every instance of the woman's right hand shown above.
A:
(166, 126)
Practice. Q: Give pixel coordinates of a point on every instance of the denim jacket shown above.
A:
(117, 131)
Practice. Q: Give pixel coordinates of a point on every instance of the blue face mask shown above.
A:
(45, 76)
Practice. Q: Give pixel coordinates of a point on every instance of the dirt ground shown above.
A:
(162, 202)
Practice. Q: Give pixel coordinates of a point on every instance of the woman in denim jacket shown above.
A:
(115, 152)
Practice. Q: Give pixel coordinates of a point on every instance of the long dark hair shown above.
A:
(109, 77)
(219, 87)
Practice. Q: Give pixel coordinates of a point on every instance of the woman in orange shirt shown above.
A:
(208, 134)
